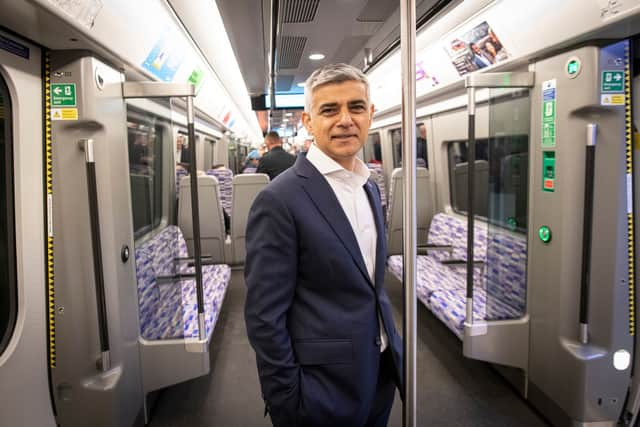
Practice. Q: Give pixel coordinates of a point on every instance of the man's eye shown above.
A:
(358, 108)
(327, 111)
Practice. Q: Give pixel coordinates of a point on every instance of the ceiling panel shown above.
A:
(377, 10)
(283, 83)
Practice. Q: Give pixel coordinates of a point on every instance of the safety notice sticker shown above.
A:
(549, 113)
(612, 99)
(63, 95)
(64, 114)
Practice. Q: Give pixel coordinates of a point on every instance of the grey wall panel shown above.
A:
(82, 392)
(580, 379)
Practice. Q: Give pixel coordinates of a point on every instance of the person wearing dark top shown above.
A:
(276, 160)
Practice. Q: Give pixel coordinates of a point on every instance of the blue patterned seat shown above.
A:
(225, 178)
(499, 282)
(180, 173)
(168, 308)
(449, 305)
(377, 176)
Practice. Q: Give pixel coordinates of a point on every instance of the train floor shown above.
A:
(452, 390)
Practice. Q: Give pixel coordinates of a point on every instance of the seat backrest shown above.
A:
(506, 275)
(212, 232)
(377, 176)
(245, 189)
(481, 183)
(155, 257)
(424, 209)
(141, 192)
(224, 177)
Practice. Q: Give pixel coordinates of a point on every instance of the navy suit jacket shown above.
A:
(311, 309)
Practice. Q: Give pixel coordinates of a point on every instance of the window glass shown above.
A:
(501, 175)
(145, 171)
(373, 149)
(421, 146)
(8, 283)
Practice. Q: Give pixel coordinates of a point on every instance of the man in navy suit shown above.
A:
(317, 313)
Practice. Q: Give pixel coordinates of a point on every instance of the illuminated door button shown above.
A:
(544, 233)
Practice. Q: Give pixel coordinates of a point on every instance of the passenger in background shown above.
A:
(421, 147)
(253, 158)
(276, 160)
(317, 313)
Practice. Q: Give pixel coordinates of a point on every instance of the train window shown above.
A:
(421, 146)
(145, 171)
(8, 282)
(183, 155)
(373, 149)
(501, 171)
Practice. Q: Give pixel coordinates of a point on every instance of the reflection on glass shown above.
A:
(373, 150)
(145, 172)
(422, 160)
(506, 278)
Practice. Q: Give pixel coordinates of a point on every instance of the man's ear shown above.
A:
(306, 122)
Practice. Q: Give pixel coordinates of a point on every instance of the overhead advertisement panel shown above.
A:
(480, 38)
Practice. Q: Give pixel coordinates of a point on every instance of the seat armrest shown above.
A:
(175, 278)
(459, 262)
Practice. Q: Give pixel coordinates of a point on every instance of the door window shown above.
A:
(8, 283)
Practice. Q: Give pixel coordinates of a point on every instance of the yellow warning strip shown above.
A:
(629, 154)
(51, 306)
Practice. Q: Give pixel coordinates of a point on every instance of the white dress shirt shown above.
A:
(348, 187)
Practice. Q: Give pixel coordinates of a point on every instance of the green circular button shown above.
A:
(544, 233)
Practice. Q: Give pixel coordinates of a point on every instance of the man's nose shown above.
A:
(345, 118)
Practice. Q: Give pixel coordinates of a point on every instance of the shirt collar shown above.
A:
(327, 166)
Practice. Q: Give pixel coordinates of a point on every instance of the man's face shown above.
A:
(339, 119)
(475, 48)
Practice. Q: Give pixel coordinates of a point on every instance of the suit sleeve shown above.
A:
(261, 167)
(270, 276)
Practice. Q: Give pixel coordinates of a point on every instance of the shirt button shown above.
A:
(378, 343)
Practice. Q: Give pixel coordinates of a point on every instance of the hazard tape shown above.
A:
(51, 307)
(629, 142)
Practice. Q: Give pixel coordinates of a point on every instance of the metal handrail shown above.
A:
(408, 59)
(104, 363)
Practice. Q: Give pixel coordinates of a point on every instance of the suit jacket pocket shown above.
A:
(324, 351)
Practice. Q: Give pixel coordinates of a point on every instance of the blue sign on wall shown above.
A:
(165, 58)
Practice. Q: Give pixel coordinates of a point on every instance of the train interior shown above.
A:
(121, 304)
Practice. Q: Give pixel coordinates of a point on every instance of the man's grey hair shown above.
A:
(332, 73)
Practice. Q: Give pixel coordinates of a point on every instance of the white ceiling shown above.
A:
(340, 30)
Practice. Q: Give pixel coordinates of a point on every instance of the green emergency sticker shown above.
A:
(63, 95)
(612, 81)
(549, 113)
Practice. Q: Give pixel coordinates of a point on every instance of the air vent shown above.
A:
(290, 51)
(298, 11)
(283, 83)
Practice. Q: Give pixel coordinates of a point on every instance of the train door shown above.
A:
(96, 374)
(24, 390)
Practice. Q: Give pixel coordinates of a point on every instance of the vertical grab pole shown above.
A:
(408, 59)
(471, 170)
(195, 217)
(104, 363)
(587, 230)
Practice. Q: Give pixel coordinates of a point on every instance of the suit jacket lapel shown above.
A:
(320, 192)
(376, 207)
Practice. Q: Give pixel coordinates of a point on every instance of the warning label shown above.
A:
(64, 114)
(612, 99)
